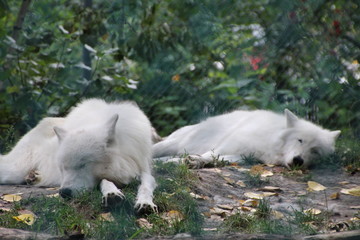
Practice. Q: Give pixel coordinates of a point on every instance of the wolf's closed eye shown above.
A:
(300, 140)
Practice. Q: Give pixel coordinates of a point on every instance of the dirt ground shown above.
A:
(220, 192)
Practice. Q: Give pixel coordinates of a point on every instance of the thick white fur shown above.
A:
(270, 137)
(95, 141)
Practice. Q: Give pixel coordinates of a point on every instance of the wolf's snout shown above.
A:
(297, 160)
(65, 193)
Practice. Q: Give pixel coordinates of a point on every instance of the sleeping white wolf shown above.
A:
(270, 137)
(97, 142)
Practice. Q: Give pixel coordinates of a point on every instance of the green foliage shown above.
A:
(182, 60)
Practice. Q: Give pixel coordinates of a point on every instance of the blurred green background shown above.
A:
(181, 61)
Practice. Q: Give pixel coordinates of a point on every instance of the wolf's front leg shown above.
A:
(144, 198)
(111, 194)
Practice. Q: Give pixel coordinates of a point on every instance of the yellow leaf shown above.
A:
(27, 218)
(335, 196)
(352, 191)
(312, 211)
(250, 203)
(277, 214)
(172, 216)
(254, 195)
(241, 183)
(355, 62)
(256, 170)
(314, 186)
(266, 173)
(108, 217)
(176, 78)
(11, 198)
(225, 206)
(143, 223)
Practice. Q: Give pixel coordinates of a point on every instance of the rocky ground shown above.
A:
(222, 192)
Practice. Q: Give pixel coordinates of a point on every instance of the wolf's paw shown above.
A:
(144, 207)
(194, 161)
(112, 198)
(32, 178)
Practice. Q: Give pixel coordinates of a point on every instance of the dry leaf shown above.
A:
(11, 198)
(266, 173)
(197, 196)
(277, 214)
(107, 217)
(55, 195)
(355, 207)
(5, 209)
(254, 195)
(344, 182)
(335, 196)
(250, 203)
(143, 223)
(241, 183)
(172, 216)
(268, 194)
(352, 191)
(28, 218)
(225, 206)
(257, 170)
(314, 186)
(229, 180)
(270, 189)
(312, 211)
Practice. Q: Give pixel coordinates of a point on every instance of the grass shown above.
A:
(81, 215)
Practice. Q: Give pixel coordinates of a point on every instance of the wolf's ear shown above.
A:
(111, 126)
(60, 133)
(291, 118)
(335, 134)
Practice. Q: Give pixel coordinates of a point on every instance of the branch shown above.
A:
(20, 19)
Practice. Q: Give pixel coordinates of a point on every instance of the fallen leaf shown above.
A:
(256, 170)
(254, 195)
(250, 203)
(268, 194)
(355, 207)
(172, 216)
(314, 186)
(5, 209)
(143, 223)
(344, 182)
(225, 206)
(198, 196)
(351, 191)
(28, 218)
(11, 198)
(240, 183)
(229, 180)
(220, 212)
(270, 189)
(277, 214)
(55, 195)
(266, 173)
(107, 217)
(335, 196)
(312, 211)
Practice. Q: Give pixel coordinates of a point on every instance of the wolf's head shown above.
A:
(304, 141)
(78, 154)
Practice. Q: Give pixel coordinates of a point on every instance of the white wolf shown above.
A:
(270, 137)
(97, 142)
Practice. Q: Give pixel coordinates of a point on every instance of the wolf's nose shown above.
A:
(298, 161)
(65, 193)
